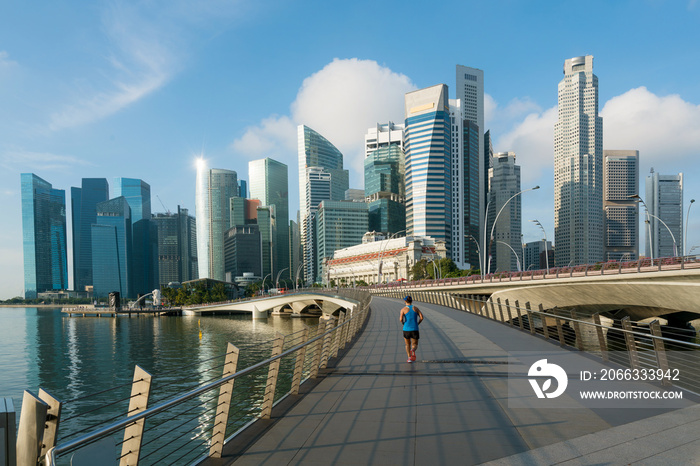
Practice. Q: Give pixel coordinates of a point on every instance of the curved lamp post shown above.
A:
(675, 249)
(496, 220)
(478, 252)
(263, 283)
(648, 222)
(687, 220)
(379, 260)
(546, 253)
(438, 275)
(514, 253)
(277, 281)
(296, 281)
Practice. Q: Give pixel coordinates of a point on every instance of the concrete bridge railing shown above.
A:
(195, 424)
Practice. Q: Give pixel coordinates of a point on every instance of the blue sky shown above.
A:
(140, 89)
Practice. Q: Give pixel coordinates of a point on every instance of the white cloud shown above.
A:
(340, 101)
(663, 129)
(22, 160)
(5, 61)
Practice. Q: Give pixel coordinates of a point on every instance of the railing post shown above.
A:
(299, 364)
(133, 434)
(520, 316)
(577, 330)
(493, 309)
(345, 332)
(218, 436)
(31, 429)
(500, 309)
(53, 418)
(8, 433)
(272, 374)
(510, 315)
(660, 350)
(543, 318)
(316, 361)
(336, 336)
(560, 330)
(629, 341)
(529, 317)
(326, 344)
(601, 337)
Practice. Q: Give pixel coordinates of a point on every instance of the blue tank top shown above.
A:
(410, 324)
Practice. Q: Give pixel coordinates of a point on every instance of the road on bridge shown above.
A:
(451, 407)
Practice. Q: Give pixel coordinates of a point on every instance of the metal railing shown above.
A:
(647, 345)
(193, 424)
(603, 268)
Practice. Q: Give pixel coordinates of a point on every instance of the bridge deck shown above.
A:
(374, 408)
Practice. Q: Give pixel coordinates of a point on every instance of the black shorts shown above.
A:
(411, 335)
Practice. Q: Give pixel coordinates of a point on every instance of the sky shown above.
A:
(141, 89)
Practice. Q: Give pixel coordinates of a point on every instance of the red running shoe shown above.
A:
(409, 360)
(413, 355)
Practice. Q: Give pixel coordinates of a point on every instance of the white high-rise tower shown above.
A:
(578, 167)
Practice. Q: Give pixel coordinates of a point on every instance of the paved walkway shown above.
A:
(451, 407)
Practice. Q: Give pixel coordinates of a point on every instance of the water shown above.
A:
(73, 357)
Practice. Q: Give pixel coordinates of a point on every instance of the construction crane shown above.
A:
(161, 203)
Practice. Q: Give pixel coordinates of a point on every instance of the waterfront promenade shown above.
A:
(451, 407)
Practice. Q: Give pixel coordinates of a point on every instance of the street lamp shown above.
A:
(296, 281)
(675, 250)
(439, 271)
(546, 253)
(277, 282)
(381, 251)
(687, 220)
(648, 222)
(496, 220)
(514, 253)
(263, 283)
(478, 252)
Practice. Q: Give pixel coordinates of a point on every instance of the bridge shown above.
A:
(298, 304)
(639, 290)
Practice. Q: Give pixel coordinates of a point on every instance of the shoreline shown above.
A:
(40, 305)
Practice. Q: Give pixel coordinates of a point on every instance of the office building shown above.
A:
(504, 183)
(339, 224)
(620, 183)
(385, 173)
(268, 233)
(112, 253)
(243, 251)
(177, 246)
(43, 236)
(321, 178)
(295, 251)
(534, 254)
(84, 202)
(469, 172)
(144, 233)
(664, 199)
(269, 183)
(578, 167)
(427, 142)
(242, 188)
(214, 188)
(355, 195)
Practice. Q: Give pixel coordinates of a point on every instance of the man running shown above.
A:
(410, 317)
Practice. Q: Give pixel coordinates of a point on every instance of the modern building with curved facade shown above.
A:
(427, 144)
(214, 189)
(321, 178)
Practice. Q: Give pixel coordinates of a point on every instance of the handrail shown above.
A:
(50, 456)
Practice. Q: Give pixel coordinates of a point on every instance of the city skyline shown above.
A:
(119, 104)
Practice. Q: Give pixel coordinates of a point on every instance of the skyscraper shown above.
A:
(214, 188)
(84, 202)
(620, 182)
(143, 233)
(339, 224)
(321, 177)
(177, 247)
(578, 167)
(112, 254)
(428, 164)
(469, 173)
(269, 183)
(385, 173)
(664, 198)
(504, 182)
(43, 236)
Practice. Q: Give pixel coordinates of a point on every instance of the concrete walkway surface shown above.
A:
(451, 407)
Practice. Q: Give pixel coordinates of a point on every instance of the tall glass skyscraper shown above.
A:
(43, 236)
(664, 198)
(321, 177)
(177, 247)
(112, 253)
(339, 225)
(144, 233)
(385, 173)
(621, 181)
(213, 190)
(578, 167)
(504, 182)
(427, 144)
(269, 183)
(84, 202)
